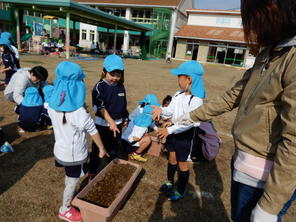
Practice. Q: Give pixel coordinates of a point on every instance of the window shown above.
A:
(116, 12)
(166, 24)
(141, 13)
(192, 49)
(226, 54)
(134, 13)
(122, 13)
(30, 13)
(92, 35)
(148, 13)
(143, 16)
(222, 21)
(83, 37)
(37, 14)
(6, 6)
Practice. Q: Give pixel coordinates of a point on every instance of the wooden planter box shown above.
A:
(94, 213)
(156, 147)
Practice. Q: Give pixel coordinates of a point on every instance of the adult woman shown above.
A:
(264, 163)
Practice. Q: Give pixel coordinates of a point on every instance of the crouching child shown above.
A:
(30, 111)
(135, 136)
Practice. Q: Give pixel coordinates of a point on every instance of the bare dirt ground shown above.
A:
(31, 186)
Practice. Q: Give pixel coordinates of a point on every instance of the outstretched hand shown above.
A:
(162, 133)
(103, 153)
(113, 127)
(156, 112)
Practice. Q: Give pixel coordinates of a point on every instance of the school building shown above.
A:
(44, 13)
(164, 17)
(213, 36)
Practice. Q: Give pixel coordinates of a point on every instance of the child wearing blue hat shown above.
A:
(8, 60)
(134, 136)
(180, 139)
(70, 122)
(7, 35)
(109, 104)
(30, 111)
(47, 92)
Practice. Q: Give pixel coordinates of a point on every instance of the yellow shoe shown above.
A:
(137, 157)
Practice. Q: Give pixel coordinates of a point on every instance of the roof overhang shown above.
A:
(210, 39)
(78, 12)
(213, 12)
(211, 33)
(129, 5)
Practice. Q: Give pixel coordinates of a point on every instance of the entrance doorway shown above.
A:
(195, 52)
(226, 54)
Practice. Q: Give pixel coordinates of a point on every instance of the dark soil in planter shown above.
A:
(105, 191)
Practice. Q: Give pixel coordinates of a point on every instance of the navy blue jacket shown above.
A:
(112, 98)
(9, 61)
(30, 118)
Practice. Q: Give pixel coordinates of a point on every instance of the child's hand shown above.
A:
(136, 139)
(103, 153)
(125, 124)
(167, 124)
(162, 133)
(156, 113)
(113, 127)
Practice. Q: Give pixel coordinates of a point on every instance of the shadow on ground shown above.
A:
(198, 205)
(28, 152)
(10, 131)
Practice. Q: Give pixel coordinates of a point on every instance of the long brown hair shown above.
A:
(268, 22)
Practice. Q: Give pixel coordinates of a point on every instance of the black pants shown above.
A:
(2, 137)
(112, 145)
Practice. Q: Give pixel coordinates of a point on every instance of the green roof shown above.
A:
(78, 12)
(102, 29)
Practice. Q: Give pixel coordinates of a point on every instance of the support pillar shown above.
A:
(172, 32)
(115, 39)
(68, 35)
(18, 29)
(126, 34)
(143, 46)
(74, 40)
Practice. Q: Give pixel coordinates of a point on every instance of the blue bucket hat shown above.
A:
(113, 62)
(195, 70)
(149, 99)
(47, 91)
(7, 35)
(145, 118)
(69, 89)
(4, 41)
(32, 98)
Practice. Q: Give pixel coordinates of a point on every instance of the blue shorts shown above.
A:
(182, 143)
(74, 171)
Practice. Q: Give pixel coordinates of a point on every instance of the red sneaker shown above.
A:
(72, 215)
